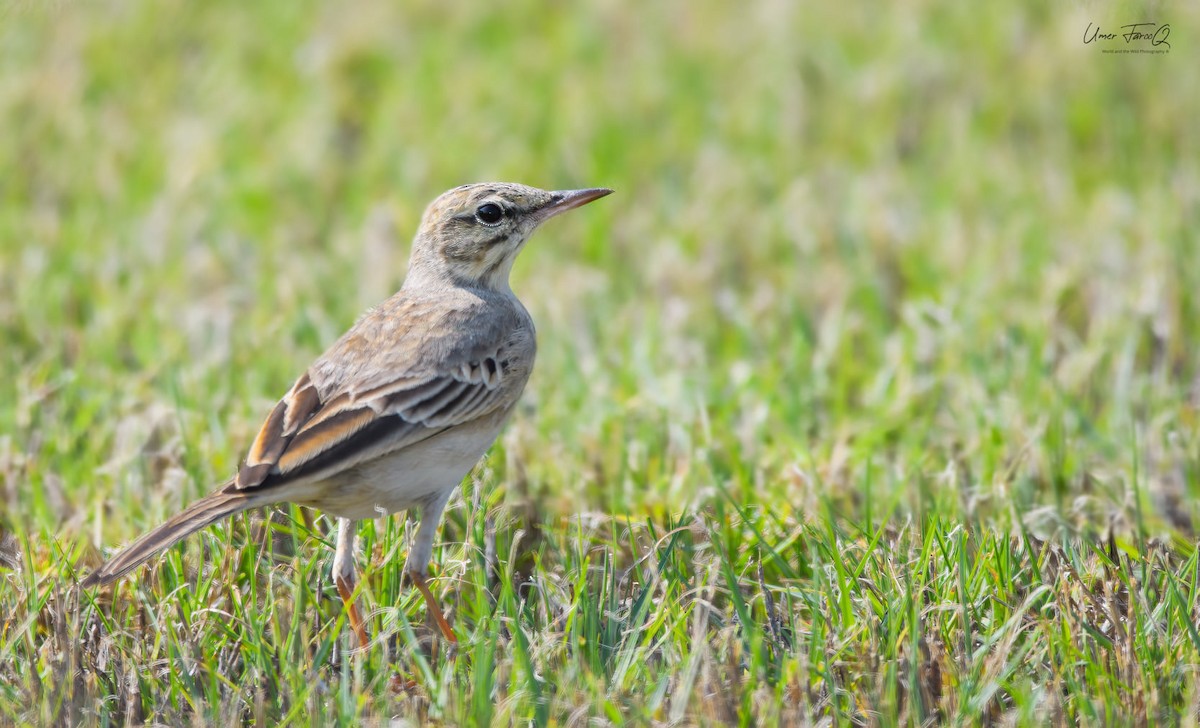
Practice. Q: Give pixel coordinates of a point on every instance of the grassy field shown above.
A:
(872, 397)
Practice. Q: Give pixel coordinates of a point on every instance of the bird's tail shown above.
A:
(222, 504)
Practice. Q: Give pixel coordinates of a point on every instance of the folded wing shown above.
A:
(306, 437)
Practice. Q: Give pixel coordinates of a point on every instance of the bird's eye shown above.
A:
(489, 213)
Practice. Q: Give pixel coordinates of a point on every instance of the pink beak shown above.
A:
(563, 200)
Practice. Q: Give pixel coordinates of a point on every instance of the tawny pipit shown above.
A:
(400, 408)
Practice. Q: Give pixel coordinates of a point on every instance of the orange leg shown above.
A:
(343, 577)
(431, 604)
(419, 555)
(345, 588)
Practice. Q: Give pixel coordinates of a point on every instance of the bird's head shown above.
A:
(471, 235)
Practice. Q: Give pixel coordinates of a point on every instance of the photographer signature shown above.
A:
(1156, 34)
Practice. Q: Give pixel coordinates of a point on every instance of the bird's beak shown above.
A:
(563, 200)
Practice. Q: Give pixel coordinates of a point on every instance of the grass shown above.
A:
(871, 398)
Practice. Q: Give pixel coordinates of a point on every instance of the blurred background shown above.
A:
(948, 250)
(880, 288)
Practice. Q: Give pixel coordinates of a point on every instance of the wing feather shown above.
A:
(434, 405)
(328, 434)
(297, 407)
(385, 386)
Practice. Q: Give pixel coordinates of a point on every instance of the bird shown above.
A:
(400, 408)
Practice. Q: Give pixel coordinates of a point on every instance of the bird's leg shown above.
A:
(343, 577)
(431, 603)
(418, 560)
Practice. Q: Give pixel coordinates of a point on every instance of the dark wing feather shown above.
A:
(295, 409)
(380, 388)
(347, 430)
